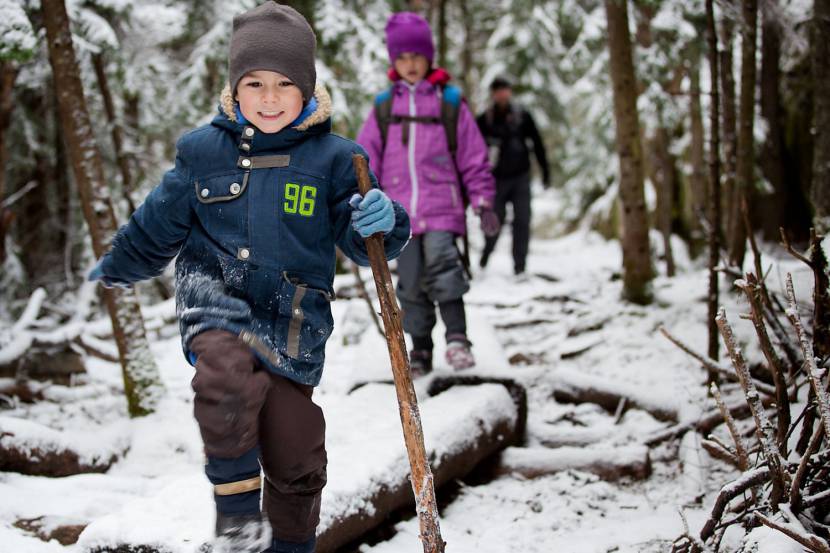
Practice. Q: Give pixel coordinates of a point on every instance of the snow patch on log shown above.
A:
(32, 448)
(575, 387)
(608, 463)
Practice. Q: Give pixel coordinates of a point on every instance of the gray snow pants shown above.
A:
(429, 273)
(240, 405)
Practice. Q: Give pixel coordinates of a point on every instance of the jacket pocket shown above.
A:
(443, 192)
(222, 206)
(306, 320)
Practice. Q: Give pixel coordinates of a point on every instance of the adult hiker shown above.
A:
(428, 154)
(254, 207)
(507, 127)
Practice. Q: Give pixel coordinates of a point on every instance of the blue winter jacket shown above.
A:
(254, 219)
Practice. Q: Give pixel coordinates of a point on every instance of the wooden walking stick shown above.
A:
(422, 481)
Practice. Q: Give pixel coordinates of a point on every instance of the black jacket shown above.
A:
(508, 130)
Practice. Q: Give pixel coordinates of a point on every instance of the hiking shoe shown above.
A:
(458, 354)
(242, 533)
(420, 362)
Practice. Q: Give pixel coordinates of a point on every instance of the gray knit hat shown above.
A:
(273, 37)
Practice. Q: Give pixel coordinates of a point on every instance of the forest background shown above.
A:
(152, 70)
(690, 125)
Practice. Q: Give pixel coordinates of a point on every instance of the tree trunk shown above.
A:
(467, 53)
(697, 181)
(8, 74)
(714, 189)
(37, 228)
(746, 123)
(769, 216)
(637, 269)
(730, 135)
(442, 33)
(662, 169)
(115, 130)
(821, 115)
(142, 382)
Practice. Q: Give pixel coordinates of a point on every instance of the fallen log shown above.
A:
(517, 393)
(30, 448)
(570, 437)
(368, 471)
(574, 387)
(705, 424)
(609, 464)
(484, 421)
(65, 532)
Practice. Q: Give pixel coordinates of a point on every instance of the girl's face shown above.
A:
(412, 67)
(269, 100)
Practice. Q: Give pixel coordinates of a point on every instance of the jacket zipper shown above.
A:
(413, 176)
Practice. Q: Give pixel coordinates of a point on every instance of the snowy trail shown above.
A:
(565, 317)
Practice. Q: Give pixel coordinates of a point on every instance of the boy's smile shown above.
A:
(269, 100)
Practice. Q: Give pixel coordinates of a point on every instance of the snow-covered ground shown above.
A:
(564, 317)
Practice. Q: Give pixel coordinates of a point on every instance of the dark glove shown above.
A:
(97, 273)
(490, 224)
(372, 214)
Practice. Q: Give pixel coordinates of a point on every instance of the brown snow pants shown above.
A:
(239, 405)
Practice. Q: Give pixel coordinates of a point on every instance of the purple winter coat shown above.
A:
(420, 175)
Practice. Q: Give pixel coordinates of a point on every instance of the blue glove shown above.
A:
(372, 214)
(97, 273)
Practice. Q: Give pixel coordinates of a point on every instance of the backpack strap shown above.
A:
(450, 108)
(383, 114)
(451, 98)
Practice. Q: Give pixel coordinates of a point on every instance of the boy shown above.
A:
(253, 208)
(417, 166)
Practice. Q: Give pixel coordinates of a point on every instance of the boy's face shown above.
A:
(269, 100)
(412, 67)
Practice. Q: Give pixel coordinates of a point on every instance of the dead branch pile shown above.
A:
(785, 465)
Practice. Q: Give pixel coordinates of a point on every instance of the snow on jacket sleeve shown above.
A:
(369, 137)
(347, 238)
(471, 160)
(156, 231)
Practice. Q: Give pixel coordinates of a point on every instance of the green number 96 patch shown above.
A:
(299, 199)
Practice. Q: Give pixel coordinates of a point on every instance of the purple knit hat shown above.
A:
(408, 32)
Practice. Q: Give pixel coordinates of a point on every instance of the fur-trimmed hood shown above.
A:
(321, 114)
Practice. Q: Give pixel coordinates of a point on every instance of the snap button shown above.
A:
(246, 162)
(245, 146)
(249, 132)
(205, 192)
(235, 188)
(244, 253)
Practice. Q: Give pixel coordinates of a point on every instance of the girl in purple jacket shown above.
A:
(415, 167)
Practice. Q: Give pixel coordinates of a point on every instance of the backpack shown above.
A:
(450, 107)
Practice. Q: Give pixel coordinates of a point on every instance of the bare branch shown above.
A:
(810, 541)
(754, 294)
(728, 493)
(740, 448)
(712, 366)
(790, 249)
(718, 451)
(762, 422)
(798, 479)
(810, 361)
